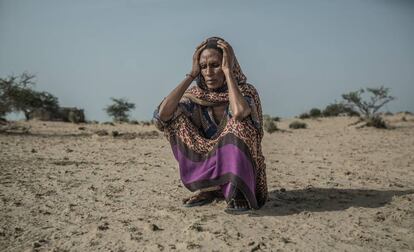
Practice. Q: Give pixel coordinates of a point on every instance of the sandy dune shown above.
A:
(332, 188)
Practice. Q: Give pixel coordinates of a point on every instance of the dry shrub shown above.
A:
(269, 125)
(146, 123)
(377, 122)
(304, 116)
(298, 125)
(108, 123)
(276, 119)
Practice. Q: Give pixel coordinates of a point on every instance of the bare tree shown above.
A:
(379, 97)
(369, 107)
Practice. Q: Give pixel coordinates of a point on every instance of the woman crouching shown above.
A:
(215, 130)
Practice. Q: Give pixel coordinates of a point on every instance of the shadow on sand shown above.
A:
(324, 199)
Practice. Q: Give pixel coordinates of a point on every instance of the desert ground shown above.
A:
(332, 187)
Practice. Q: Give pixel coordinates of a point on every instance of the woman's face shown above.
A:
(210, 65)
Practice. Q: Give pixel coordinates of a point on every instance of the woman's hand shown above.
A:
(196, 59)
(228, 57)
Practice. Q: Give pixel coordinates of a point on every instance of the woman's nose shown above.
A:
(209, 70)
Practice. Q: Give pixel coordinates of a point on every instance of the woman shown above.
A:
(215, 130)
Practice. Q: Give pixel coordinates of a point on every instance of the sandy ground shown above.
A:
(332, 187)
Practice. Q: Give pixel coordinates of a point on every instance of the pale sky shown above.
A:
(298, 54)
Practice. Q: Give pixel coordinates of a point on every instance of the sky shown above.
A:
(298, 54)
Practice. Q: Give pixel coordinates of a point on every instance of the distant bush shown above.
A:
(315, 112)
(269, 125)
(388, 113)
(119, 109)
(297, 125)
(146, 123)
(108, 123)
(336, 109)
(134, 122)
(304, 116)
(266, 117)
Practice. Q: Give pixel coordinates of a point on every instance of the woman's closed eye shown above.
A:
(213, 65)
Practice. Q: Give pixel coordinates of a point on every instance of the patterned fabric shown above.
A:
(202, 116)
(228, 155)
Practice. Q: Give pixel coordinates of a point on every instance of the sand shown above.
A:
(332, 187)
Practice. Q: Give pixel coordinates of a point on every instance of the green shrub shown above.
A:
(297, 125)
(304, 116)
(336, 109)
(276, 119)
(119, 109)
(315, 112)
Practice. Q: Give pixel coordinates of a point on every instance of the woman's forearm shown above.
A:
(238, 104)
(170, 103)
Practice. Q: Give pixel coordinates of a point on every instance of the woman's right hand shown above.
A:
(196, 59)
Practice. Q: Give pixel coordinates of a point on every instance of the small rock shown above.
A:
(155, 227)
(104, 226)
(101, 132)
(282, 189)
(115, 133)
(193, 246)
(285, 240)
(81, 128)
(196, 226)
(34, 151)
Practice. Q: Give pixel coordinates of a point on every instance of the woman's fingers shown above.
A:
(199, 50)
(225, 45)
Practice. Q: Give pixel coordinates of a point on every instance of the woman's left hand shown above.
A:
(228, 57)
